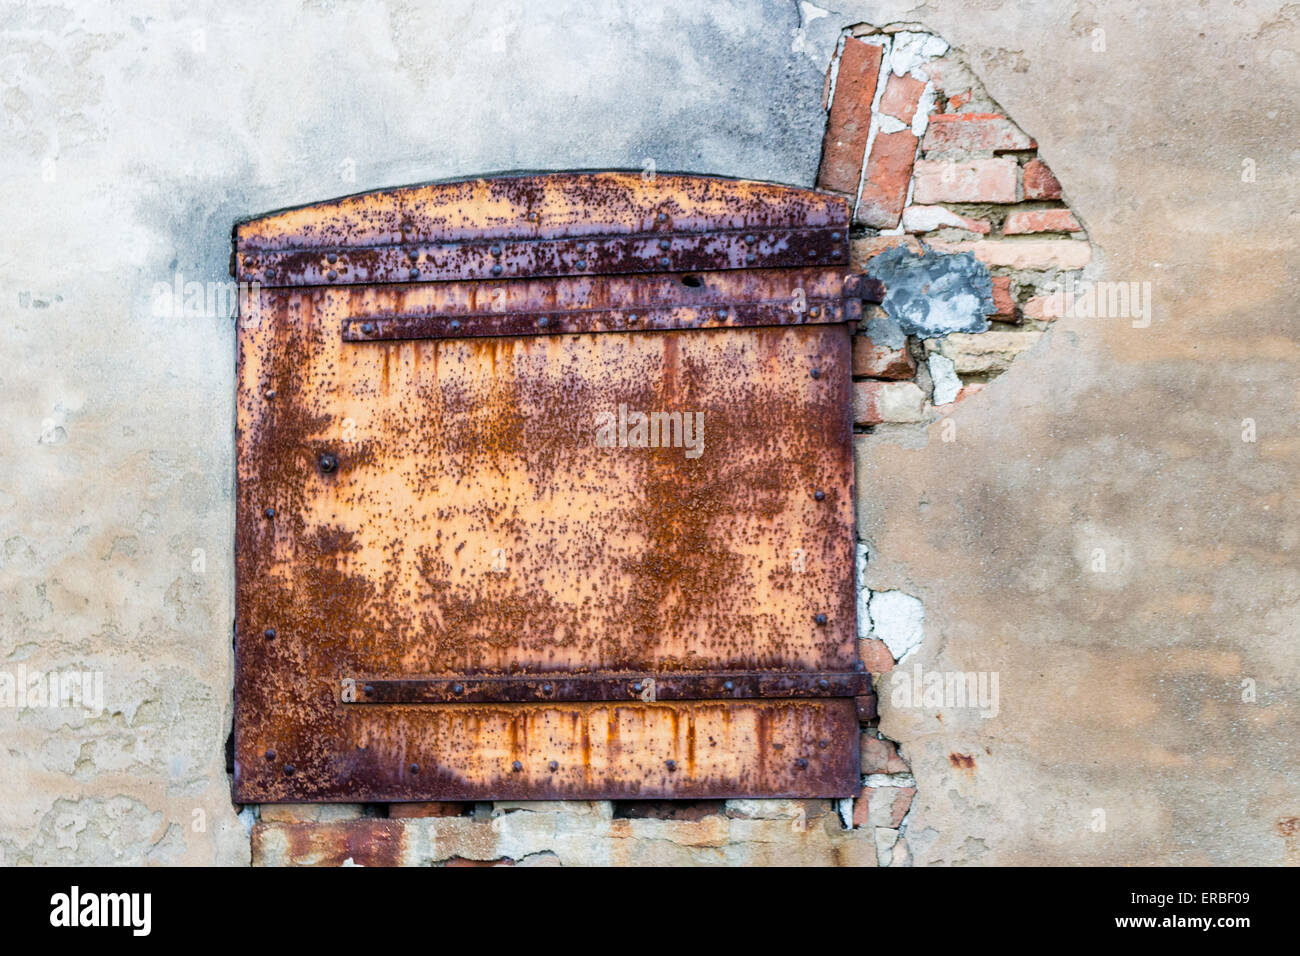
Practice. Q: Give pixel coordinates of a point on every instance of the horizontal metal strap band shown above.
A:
(667, 686)
(526, 258)
(489, 324)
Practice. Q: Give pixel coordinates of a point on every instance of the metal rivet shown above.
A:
(722, 313)
(820, 619)
(332, 258)
(670, 764)
(751, 259)
(455, 324)
(631, 319)
(824, 684)
(823, 744)
(581, 264)
(516, 766)
(328, 463)
(269, 512)
(543, 321)
(458, 688)
(269, 633)
(414, 273)
(815, 311)
(495, 250)
(728, 686)
(496, 269)
(288, 769)
(270, 393)
(547, 688)
(415, 768)
(369, 688)
(816, 373)
(749, 239)
(801, 763)
(665, 245)
(665, 262)
(270, 273)
(819, 495)
(835, 236)
(331, 274)
(554, 765)
(662, 217)
(812, 253)
(368, 328)
(270, 755)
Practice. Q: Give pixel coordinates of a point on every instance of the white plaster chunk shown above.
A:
(889, 124)
(864, 595)
(946, 382)
(912, 50)
(897, 619)
(878, 780)
(930, 218)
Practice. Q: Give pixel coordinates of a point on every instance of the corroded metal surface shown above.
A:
(427, 513)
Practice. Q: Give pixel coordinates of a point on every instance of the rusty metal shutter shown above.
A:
(451, 584)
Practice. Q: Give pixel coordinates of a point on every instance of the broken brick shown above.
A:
(930, 218)
(850, 117)
(881, 756)
(1039, 181)
(1024, 221)
(877, 402)
(889, 169)
(902, 94)
(1004, 303)
(882, 806)
(973, 133)
(878, 361)
(875, 655)
(981, 180)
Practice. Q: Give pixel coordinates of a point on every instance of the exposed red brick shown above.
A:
(875, 655)
(958, 100)
(366, 842)
(1004, 303)
(862, 251)
(901, 95)
(981, 180)
(866, 403)
(889, 169)
(890, 805)
(1026, 221)
(881, 756)
(850, 117)
(877, 361)
(1039, 181)
(429, 809)
(973, 133)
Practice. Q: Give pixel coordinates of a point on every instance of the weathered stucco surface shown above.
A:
(134, 136)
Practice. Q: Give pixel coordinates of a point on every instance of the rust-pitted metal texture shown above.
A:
(559, 535)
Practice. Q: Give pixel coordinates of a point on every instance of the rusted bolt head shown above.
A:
(269, 512)
(496, 269)
(269, 633)
(820, 619)
(632, 319)
(751, 259)
(824, 684)
(722, 313)
(415, 768)
(815, 311)
(665, 245)
(801, 763)
(458, 688)
(288, 769)
(546, 688)
(328, 463)
(662, 217)
(270, 755)
(543, 321)
(495, 250)
(581, 263)
(835, 237)
(516, 766)
(414, 273)
(823, 744)
(636, 688)
(554, 766)
(819, 495)
(368, 328)
(270, 273)
(671, 765)
(812, 253)
(270, 393)
(455, 324)
(331, 274)
(750, 239)
(665, 262)
(816, 373)
(369, 688)
(728, 685)
(332, 258)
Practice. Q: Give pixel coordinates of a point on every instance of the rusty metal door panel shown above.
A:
(450, 588)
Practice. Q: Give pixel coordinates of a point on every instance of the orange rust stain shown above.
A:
(962, 761)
